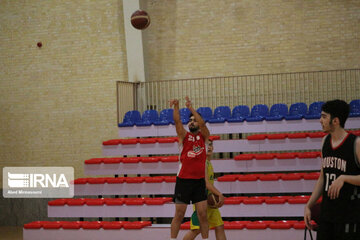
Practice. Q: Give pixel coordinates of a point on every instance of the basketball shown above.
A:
(140, 19)
(212, 200)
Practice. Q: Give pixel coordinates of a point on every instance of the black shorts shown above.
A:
(190, 190)
(338, 231)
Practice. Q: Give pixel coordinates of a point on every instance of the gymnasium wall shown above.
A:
(196, 39)
(58, 103)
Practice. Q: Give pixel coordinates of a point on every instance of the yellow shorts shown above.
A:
(213, 216)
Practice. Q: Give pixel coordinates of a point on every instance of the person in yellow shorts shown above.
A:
(213, 214)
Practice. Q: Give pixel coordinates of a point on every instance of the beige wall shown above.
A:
(58, 103)
(190, 39)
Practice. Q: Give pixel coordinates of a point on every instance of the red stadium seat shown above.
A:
(113, 142)
(114, 201)
(170, 179)
(134, 179)
(275, 200)
(308, 154)
(244, 157)
(157, 179)
(134, 201)
(96, 180)
(311, 176)
(131, 159)
(234, 225)
(297, 135)
(254, 200)
(249, 177)
(286, 155)
(115, 180)
(75, 201)
(298, 199)
(270, 177)
(185, 225)
(33, 225)
(257, 137)
(316, 134)
(214, 138)
(150, 159)
(51, 225)
(132, 225)
(264, 156)
(147, 140)
(256, 225)
(129, 141)
(277, 136)
(93, 161)
(91, 225)
(234, 200)
(71, 225)
(57, 202)
(155, 201)
(281, 225)
(80, 181)
(111, 160)
(299, 225)
(94, 201)
(167, 140)
(227, 178)
(292, 176)
(112, 225)
(169, 159)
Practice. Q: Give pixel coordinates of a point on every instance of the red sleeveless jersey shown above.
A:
(192, 157)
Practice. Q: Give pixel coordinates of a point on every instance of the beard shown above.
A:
(193, 129)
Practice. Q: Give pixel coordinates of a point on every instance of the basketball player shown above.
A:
(339, 179)
(213, 214)
(190, 181)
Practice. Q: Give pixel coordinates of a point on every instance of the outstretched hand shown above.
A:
(174, 102)
(188, 102)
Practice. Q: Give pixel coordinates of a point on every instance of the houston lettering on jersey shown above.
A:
(334, 162)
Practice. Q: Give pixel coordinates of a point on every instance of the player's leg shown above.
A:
(180, 209)
(220, 233)
(201, 208)
(191, 235)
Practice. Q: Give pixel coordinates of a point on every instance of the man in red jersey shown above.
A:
(190, 182)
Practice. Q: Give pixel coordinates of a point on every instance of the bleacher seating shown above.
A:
(277, 112)
(258, 113)
(239, 113)
(205, 112)
(270, 179)
(355, 108)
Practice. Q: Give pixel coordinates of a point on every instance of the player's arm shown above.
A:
(317, 192)
(180, 131)
(202, 125)
(335, 187)
(214, 190)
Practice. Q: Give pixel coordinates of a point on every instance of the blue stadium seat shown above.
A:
(277, 112)
(166, 117)
(148, 118)
(184, 115)
(221, 114)
(239, 113)
(205, 112)
(297, 111)
(130, 118)
(258, 113)
(314, 110)
(355, 108)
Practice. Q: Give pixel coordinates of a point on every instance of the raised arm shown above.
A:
(180, 131)
(203, 128)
